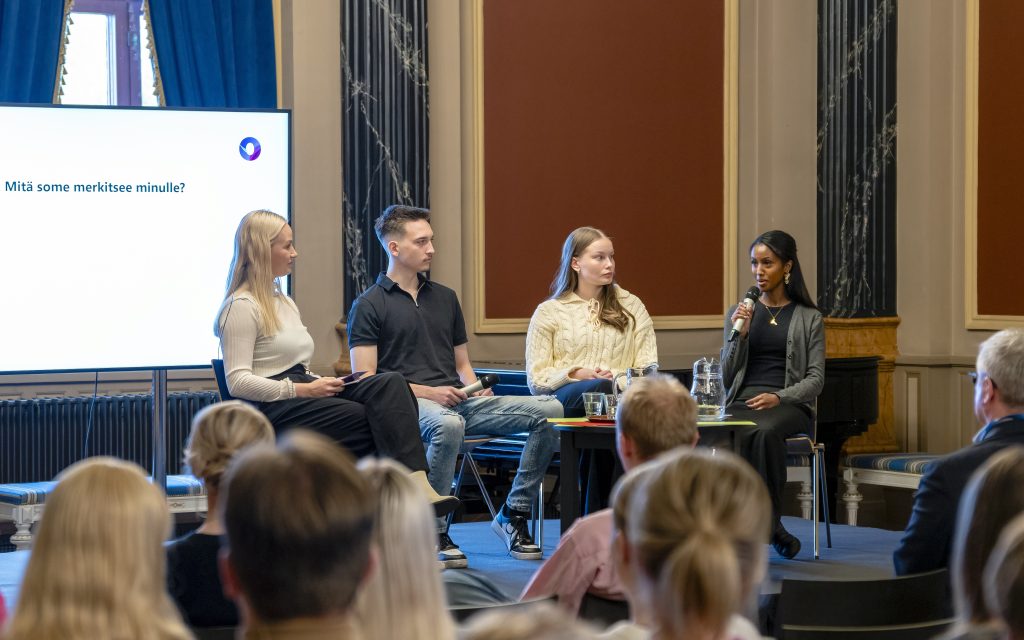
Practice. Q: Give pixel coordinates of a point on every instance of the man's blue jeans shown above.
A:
(443, 430)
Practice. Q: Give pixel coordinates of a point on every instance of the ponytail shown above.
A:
(699, 586)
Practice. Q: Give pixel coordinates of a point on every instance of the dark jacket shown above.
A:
(805, 359)
(928, 540)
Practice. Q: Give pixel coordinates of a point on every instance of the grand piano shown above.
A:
(847, 405)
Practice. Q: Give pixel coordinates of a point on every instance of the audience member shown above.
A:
(404, 597)
(97, 568)
(299, 527)
(991, 500)
(691, 528)
(656, 414)
(1004, 579)
(267, 351)
(590, 329)
(540, 621)
(774, 368)
(999, 405)
(408, 324)
(218, 433)
(3, 614)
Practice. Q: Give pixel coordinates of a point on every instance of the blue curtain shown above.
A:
(215, 53)
(30, 33)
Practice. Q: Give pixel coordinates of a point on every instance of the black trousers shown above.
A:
(764, 446)
(376, 416)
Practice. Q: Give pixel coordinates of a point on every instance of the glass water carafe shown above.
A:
(708, 389)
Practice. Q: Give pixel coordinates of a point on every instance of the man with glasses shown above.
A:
(999, 406)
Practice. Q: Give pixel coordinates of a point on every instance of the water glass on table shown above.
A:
(593, 404)
(611, 405)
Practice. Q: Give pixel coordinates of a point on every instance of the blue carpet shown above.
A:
(856, 553)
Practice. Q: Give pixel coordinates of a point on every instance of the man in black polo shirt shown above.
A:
(408, 324)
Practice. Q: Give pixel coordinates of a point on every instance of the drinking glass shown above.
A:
(593, 404)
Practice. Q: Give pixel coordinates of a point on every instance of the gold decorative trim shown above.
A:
(730, 142)
(973, 319)
(58, 81)
(158, 81)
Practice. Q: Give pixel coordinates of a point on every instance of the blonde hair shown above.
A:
(251, 268)
(98, 566)
(697, 526)
(992, 498)
(218, 433)
(566, 279)
(1004, 578)
(404, 598)
(539, 621)
(657, 413)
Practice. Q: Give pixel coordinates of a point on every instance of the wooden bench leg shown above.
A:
(852, 496)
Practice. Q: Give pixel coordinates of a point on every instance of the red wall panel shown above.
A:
(610, 114)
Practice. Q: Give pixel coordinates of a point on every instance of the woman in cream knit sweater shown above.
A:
(590, 328)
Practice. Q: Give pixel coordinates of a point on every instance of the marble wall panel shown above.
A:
(385, 125)
(856, 151)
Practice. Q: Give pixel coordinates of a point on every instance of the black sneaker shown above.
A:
(515, 532)
(448, 553)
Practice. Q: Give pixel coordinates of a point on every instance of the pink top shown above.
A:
(582, 563)
(3, 612)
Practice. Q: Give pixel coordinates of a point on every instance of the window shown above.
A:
(107, 60)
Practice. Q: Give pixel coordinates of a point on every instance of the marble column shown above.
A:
(856, 205)
(385, 125)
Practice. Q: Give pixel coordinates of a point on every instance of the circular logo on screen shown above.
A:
(249, 149)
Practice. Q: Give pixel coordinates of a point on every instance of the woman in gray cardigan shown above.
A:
(775, 368)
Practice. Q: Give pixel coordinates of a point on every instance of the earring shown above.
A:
(786, 278)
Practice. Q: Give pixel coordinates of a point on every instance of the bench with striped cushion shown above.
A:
(23, 503)
(900, 470)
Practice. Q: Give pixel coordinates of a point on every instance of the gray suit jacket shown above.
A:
(805, 354)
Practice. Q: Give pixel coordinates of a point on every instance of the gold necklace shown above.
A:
(774, 315)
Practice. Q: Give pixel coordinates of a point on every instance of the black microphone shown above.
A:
(485, 381)
(753, 293)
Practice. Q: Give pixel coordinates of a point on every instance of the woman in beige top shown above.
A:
(590, 328)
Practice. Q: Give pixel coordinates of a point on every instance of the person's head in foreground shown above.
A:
(992, 498)
(97, 568)
(691, 533)
(1004, 579)
(404, 598)
(656, 413)
(218, 433)
(299, 523)
(999, 387)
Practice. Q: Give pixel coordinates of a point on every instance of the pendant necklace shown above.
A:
(774, 315)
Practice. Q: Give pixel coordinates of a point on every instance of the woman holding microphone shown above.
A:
(774, 368)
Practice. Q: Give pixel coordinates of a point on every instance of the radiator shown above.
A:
(41, 437)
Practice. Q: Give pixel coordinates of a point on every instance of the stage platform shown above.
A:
(856, 553)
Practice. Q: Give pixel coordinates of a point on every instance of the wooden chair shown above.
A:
(904, 608)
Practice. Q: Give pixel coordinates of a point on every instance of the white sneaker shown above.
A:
(516, 534)
(448, 553)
